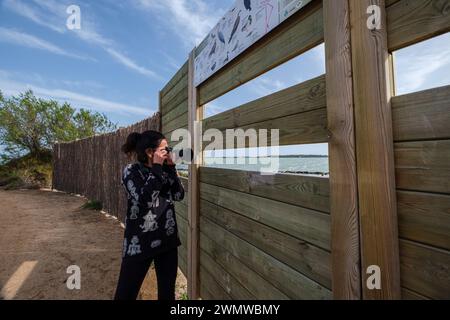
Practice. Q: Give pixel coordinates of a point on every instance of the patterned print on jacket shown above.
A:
(151, 226)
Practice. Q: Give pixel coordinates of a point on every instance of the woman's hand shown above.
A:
(159, 156)
(170, 159)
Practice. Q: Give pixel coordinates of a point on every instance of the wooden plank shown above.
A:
(302, 128)
(374, 150)
(422, 115)
(425, 270)
(287, 279)
(180, 86)
(195, 113)
(182, 210)
(176, 78)
(412, 21)
(306, 96)
(423, 166)
(411, 295)
(305, 224)
(312, 261)
(225, 280)
(391, 2)
(425, 218)
(304, 191)
(346, 281)
(177, 123)
(209, 288)
(178, 111)
(168, 135)
(182, 262)
(181, 97)
(249, 279)
(290, 39)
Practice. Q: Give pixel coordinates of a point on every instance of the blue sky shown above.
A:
(126, 51)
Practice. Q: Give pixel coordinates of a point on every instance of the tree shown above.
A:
(30, 125)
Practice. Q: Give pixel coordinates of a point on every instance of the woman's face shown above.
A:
(162, 146)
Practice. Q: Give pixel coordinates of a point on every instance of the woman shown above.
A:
(151, 232)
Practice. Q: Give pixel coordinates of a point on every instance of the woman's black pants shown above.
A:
(132, 274)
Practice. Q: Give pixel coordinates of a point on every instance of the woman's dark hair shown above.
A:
(139, 142)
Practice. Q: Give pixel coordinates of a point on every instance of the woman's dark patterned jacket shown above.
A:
(150, 225)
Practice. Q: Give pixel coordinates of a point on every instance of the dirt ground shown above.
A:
(44, 232)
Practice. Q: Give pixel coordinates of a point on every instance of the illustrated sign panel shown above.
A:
(244, 24)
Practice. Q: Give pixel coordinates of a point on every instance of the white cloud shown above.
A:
(423, 66)
(52, 14)
(10, 86)
(27, 40)
(34, 15)
(130, 63)
(191, 20)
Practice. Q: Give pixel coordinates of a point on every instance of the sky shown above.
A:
(126, 51)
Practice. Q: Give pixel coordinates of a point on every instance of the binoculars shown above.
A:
(180, 153)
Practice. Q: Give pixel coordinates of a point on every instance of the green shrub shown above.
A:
(92, 205)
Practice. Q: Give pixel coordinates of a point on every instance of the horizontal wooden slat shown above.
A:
(302, 128)
(173, 114)
(182, 264)
(391, 2)
(306, 96)
(252, 281)
(210, 289)
(225, 280)
(181, 210)
(175, 79)
(411, 295)
(311, 226)
(412, 21)
(310, 260)
(179, 122)
(423, 166)
(422, 115)
(425, 270)
(287, 279)
(305, 191)
(290, 39)
(180, 86)
(168, 135)
(180, 98)
(185, 183)
(424, 217)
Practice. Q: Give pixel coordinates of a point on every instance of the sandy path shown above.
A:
(43, 232)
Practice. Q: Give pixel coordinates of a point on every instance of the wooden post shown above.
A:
(374, 148)
(195, 113)
(345, 251)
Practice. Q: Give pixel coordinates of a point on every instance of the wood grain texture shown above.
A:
(301, 128)
(175, 113)
(210, 289)
(422, 115)
(374, 150)
(287, 279)
(412, 21)
(305, 224)
(231, 286)
(304, 191)
(295, 36)
(313, 262)
(249, 279)
(423, 166)
(176, 78)
(346, 281)
(425, 269)
(424, 217)
(306, 96)
(194, 114)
